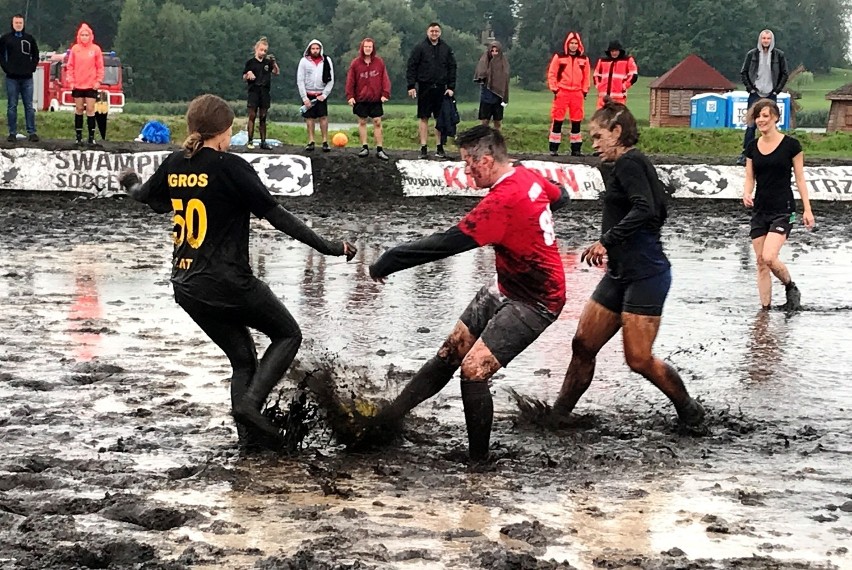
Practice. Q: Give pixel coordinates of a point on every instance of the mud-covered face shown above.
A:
(766, 120)
(605, 141)
(314, 50)
(765, 40)
(18, 24)
(433, 33)
(479, 170)
(573, 46)
(260, 51)
(368, 49)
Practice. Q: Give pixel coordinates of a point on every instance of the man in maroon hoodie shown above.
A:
(367, 87)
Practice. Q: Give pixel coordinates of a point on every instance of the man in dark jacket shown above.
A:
(431, 74)
(764, 75)
(19, 58)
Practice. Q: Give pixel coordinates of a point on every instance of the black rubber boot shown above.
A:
(554, 149)
(478, 415)
(575, 149)
(428, 381)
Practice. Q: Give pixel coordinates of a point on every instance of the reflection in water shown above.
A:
(764, 353)
(84, 314)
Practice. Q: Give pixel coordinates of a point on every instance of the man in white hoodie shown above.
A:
(315, 79)
(764, 74)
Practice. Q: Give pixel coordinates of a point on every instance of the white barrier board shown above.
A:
(97, 172)
(435, 178)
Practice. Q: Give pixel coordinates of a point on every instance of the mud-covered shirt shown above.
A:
(515, 218)
(213, 195)
(773, 174)
(634, 211)
(262, 73)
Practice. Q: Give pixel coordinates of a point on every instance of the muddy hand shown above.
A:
(594, 255)
(349, 250)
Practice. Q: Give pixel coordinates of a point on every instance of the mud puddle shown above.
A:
(118, 451)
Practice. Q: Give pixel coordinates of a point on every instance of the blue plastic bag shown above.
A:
(155, 132)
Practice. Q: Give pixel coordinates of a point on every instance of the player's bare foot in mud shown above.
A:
(692, 414)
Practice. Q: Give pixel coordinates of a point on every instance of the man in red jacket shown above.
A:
(568, 78)
(367, 87)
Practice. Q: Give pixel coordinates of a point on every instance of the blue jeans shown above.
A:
(22, 88)
(749, 133)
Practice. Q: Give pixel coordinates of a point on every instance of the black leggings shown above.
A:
(229, 329)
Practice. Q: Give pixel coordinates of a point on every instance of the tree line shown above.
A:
(180, 48)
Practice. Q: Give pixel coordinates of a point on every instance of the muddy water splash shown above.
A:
(117, 446)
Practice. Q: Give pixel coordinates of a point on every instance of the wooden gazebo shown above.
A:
(671, 93)
(840, 114)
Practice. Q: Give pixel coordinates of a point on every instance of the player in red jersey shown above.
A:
(509, 313)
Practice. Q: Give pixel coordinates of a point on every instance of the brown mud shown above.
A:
(118, 451)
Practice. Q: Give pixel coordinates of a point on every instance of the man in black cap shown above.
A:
(615, 73)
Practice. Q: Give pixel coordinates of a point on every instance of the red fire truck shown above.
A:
(52, 92)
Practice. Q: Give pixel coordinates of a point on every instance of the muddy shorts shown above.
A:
(763, 223)
(368, 109)
(84, 93)
(259, 99)
(429, 101)
(639, 297)
(506, 326)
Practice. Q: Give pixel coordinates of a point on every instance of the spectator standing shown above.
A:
(615, 73)
(568, 77)
(315, 79)
(258, 73)
(492, 72)
(367, 88)
(85, 71)
(19, 59)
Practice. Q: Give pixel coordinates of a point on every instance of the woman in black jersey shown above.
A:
(213, 194)
(770, 160)
(631, 294)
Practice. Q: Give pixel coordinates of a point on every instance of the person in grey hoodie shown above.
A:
(19, 59)
(315, 79)
(764, 74)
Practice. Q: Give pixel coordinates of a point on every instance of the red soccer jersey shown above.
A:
(515, 218)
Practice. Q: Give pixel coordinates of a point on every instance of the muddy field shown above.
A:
(118, 451)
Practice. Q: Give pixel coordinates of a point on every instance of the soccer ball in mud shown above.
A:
(705, 180)
(339, 140)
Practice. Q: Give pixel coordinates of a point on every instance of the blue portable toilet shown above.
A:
(737, 109)
(785, 106)
(708, 111)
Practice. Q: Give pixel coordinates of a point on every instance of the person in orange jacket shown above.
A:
(615, 73)
(85, 69)
(569, 78)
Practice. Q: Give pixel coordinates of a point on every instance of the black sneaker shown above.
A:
(439, 153)
(364, 152)
(12, 138)
(382, 155)
(325, 147)
(794, 298)
(265, 146)
(310, 147)
(33, 137)
(423, 152)
(554, 153)
(79, 142)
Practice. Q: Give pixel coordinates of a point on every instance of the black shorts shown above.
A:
(640, 297)
(318, 110)
(429, 101)
(763, 223)
(84, 93)
(366, 109)
(506, 326)
(488, 111)
(259, 99)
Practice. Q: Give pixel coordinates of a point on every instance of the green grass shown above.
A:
(525, 126)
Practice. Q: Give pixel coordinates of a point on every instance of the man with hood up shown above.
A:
(315, 79)
(19, 58)
(764, 75)
(367, 88)
(615, 73)
(569, 78)
(492, 72)
(85, 72)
